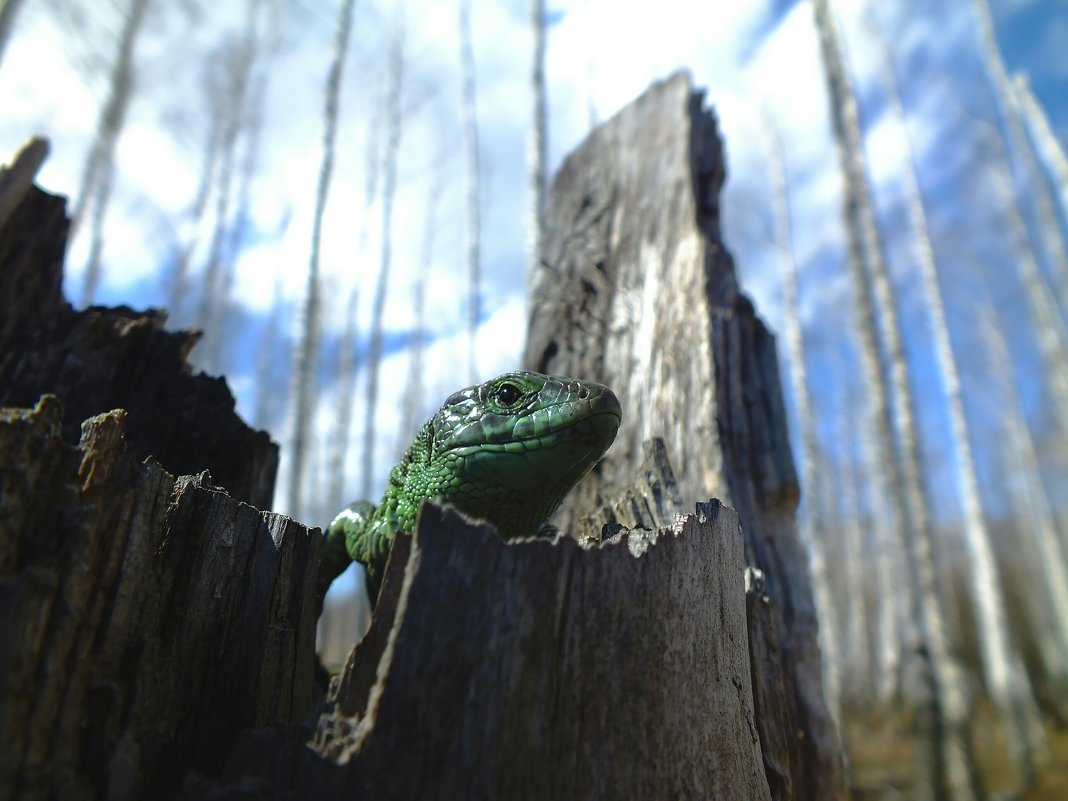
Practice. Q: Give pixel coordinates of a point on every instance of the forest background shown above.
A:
(344, 196)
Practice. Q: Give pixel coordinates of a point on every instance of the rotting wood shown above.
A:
(636, 290)
(144, 621)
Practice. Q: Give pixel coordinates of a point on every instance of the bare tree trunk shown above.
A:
(538, 147)
(389, 186)
(470, 131)
(96, 175)
(1006, 678)
(1049, 328)
(1033, 509)
(813, 528)
(8, 11)
(1021, 156)
(266, 405)
(1046, 141)
(876, 645)
(347, 366)
(304, 374)
(945, 761)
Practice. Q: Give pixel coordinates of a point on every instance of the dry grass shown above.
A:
(882, 758)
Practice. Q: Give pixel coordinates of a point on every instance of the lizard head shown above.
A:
(509, 450)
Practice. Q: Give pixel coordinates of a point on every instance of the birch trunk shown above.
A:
(1021, 156)
(1035, 512)
(813, 527)
(304, 388)
(347, 365)
(1046, 141)
(538, 148)
(1048, 326)
(945, 766)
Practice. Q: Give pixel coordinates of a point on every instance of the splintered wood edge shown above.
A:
(343, 730)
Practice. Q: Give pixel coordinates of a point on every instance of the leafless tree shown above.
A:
(1021, 156)
(266, 404)
(304, 373)
(1050, 148)
(812, 528)
(9, 9)
(945, 766)
(390, 154)
(347, 366)
(1048, 326)
(97, 176)
(537, 149)
(1033, 510)
(470, 133)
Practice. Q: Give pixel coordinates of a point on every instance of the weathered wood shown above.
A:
(102, 359)
(637, 291)
(542, 669)
(144, 621)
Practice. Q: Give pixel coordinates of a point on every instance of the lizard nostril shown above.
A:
(584, 392)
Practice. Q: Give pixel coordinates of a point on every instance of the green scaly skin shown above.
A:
(506, 451)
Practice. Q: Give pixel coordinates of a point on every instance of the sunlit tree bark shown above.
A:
(304, 384)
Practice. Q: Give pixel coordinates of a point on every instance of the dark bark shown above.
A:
(637, 291)
(544, 678)
(144, 620)
(102, 359)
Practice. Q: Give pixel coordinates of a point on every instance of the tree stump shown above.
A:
(637, 291)
(144, 620)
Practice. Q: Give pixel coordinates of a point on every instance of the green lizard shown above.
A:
(506, 451)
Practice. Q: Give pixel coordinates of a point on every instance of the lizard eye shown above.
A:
(508, 394)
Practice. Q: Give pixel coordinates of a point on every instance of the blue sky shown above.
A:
(750, 58)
